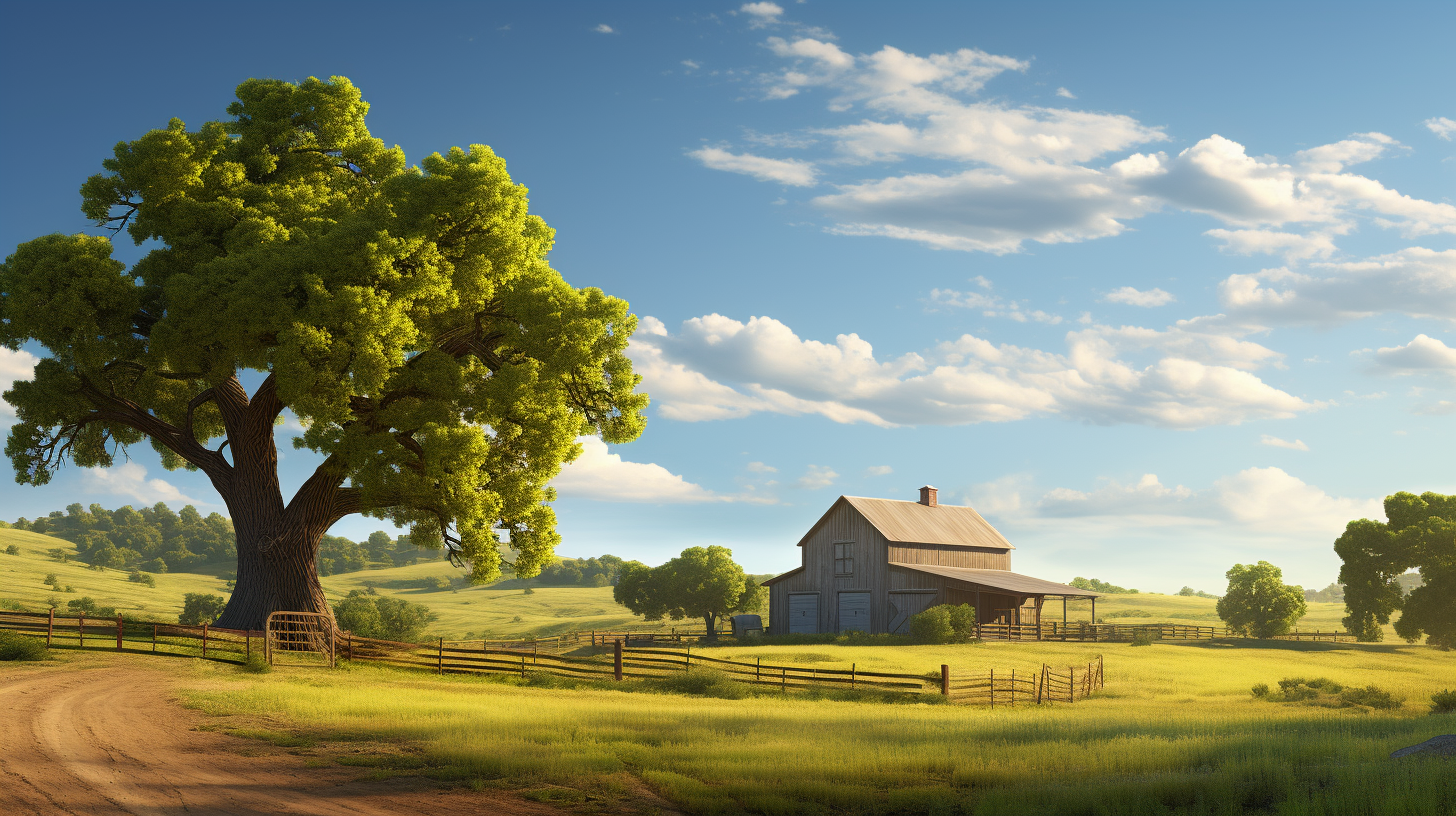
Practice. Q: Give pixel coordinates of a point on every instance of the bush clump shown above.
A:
(200, 607)
(1142, 637)
(143, 578)
(1325, 692)
(1443, 702)
(15, 646)
(376, 616)
(13, 549)
(944, 624)
(256, 664)
(87, 606)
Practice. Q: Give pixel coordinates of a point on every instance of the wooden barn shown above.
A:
(869, 564)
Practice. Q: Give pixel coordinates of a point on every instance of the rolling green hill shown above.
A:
(501, 610)
(492, 611)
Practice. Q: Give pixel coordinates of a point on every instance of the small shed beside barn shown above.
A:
(869, 564)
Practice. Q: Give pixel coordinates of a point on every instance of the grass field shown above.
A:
(1175, 731)
(487, 611)
(472, 611)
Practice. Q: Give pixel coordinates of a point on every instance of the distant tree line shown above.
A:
(590, 572)
(1100, 586)
(155, 539)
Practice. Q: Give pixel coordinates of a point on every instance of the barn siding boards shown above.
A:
(906, 554)
(950, 556)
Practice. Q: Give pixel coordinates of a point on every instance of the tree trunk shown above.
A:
(710, 624)
(277, 545)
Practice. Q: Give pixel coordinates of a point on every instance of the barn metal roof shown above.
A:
(911, 522)
(1002, 579)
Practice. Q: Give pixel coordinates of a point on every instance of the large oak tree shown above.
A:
(1420, 534)
(406, 315)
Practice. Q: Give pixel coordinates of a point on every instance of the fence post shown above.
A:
(118, 631)
(689, 663)
(440, 657)
(1071, 684)
(204, 639)
(1040, 683)
(851, 675)
(944, 680)
(247, 645)
(757, 669)
(617, 659)
(81, 631)
(1013, 686)
(154, 638)
(50, 626)
(351, 644)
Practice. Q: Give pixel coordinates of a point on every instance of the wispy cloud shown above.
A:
(816, 477)
(792, 172)
(604, 29)
(1276, 442)
(601, 475)
(1441, 126)
(130, 479)
(1132, 297)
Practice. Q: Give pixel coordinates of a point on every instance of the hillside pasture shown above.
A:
(1175, 731)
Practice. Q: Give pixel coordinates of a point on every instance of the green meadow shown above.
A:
(1175, 731)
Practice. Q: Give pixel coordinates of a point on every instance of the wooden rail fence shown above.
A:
(1125, 632)
(626, 662)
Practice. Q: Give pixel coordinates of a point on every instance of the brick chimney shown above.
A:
(927, 496)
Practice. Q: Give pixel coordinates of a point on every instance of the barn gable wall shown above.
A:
(949, 556)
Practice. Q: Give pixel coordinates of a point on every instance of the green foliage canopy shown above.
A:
(1420, 533)
(406, 315)
(1258, 603)
(1100, 586)
(702, 582)
(944, 623)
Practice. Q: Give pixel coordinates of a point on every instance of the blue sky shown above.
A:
(1158, 288)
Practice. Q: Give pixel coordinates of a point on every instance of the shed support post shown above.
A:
(944, 680)
(617, 659)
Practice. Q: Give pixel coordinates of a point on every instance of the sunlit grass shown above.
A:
(1176, 731)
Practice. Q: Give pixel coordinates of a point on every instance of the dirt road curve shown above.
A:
(110, 740)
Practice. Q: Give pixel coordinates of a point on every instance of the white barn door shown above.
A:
(854, 611)
(804, 613)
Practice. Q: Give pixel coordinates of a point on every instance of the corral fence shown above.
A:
(83, 632)
(299, 637)
(1126, 632)
(1044, 686)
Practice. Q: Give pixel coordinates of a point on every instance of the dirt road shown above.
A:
(111, 740)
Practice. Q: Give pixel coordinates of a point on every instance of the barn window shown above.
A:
(844, 558)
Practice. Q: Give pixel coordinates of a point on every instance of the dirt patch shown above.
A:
(110, 739)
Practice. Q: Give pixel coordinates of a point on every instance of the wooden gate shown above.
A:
(306, 635)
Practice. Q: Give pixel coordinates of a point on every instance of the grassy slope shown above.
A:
(472, 612)
(482, 611)
(21, 579)
(1176, 731)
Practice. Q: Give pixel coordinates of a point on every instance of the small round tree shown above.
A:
(1258, 603)
(407, 316)
(703, 582)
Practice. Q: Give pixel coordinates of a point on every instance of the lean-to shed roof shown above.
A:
(1002, 579)
(909, 522)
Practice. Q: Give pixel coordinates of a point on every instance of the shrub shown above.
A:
(1260, 690)
(529, 591)
(52, 581)
(58, 554)
(1130, 613)
(1370, 696)
(702, 683)
(139, 577)
(944, 623)
(199, 608)
(13, 549)
(1142, 637)
(15, 646)
(376, 616)
(1443, 702)
(87, 606)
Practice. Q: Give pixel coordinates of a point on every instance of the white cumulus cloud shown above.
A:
(1276, 442)
(816, 477)
(130, 479)
(1441, 126)
(602, 475)
(1194, 374)
(1423, 354)
(14, 365)
(792, 172)
(762, 13)
(1416, 281)
(1147, 299)
(879, 470)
